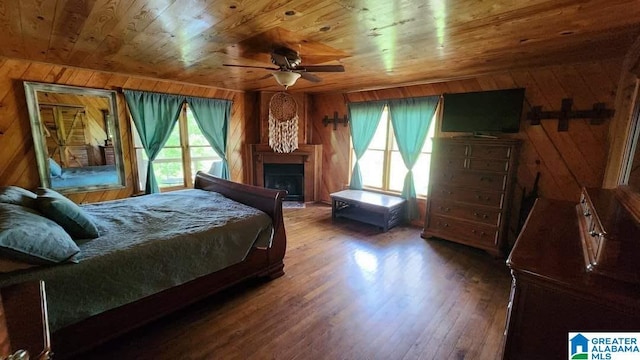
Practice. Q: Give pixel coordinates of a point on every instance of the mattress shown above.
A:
(148, 244)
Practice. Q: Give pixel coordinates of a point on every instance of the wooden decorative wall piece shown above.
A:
(596, 115)
(335, 120)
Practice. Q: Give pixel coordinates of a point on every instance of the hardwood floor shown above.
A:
(349, 292)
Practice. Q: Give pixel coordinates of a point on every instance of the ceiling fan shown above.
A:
(288, 68)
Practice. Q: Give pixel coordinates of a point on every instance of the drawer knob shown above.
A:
(484, 216)
(595, 233)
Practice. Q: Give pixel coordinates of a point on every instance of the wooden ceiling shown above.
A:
(380, 43)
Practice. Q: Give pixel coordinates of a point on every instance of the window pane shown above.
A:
(428, 142)
(371, 166)
(143, 162)
(421, 174)
(168, 167)
(397, 172)
(136, 137)
(174, 138)
(379, 140)
(205, 159)
(195, 135)
(168, 164)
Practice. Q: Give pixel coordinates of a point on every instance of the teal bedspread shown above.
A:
(148, 244)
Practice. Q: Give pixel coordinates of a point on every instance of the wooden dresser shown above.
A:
(470, 189)
(575, 268)
(108, 154)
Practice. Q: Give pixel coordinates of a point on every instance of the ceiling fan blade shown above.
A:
(321, 68)
(252, 67)
(309, 76)
(265, 77)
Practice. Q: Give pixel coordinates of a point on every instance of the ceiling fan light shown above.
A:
(286, 78)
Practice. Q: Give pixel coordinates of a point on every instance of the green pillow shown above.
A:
(17, 196)
(27, 236)
(67, 214)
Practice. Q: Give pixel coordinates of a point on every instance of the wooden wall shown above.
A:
(17, 157)
(335, 143)
(566, 160)
(301, 100)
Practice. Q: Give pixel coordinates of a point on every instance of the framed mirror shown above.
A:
(76, 137)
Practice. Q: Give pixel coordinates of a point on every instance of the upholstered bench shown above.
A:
(384, 211)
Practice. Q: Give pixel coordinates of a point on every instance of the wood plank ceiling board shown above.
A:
(380, 43)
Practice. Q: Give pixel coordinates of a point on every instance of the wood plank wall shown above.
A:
(94, 122)
(566, 160)
(17, 157)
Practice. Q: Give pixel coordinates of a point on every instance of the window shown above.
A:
(381, 165)
(185, 153)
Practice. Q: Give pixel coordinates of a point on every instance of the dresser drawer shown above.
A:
(464, 211)
(489, 165)
(479, 180)
(462, 231)
(452, 163)
(488, 198)
(490, 151)
(452, 150)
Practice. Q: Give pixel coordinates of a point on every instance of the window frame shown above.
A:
(388, 152)
(185, 149)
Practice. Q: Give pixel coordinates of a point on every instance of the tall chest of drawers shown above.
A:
(470, 189)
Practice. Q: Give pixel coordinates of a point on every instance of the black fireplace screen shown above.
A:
(288, 177)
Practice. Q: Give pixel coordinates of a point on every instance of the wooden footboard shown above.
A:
(74, 339)
(267, 200)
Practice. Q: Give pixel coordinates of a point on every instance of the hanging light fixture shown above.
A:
(286, 78)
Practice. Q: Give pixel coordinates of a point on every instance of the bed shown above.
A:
(85, 176)
(90, 302)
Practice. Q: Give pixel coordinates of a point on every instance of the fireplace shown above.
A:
(288, 177)
(306, 160)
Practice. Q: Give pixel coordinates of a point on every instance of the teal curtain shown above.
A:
(410, 119)
(363, 120)
(154, 116)
(212, 116)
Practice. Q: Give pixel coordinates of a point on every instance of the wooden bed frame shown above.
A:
(266, 263)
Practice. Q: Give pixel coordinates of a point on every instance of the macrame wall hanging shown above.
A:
(283, 123)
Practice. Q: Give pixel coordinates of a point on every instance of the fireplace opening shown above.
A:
(288, 177)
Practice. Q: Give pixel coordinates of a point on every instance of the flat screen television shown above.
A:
(484, 112)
